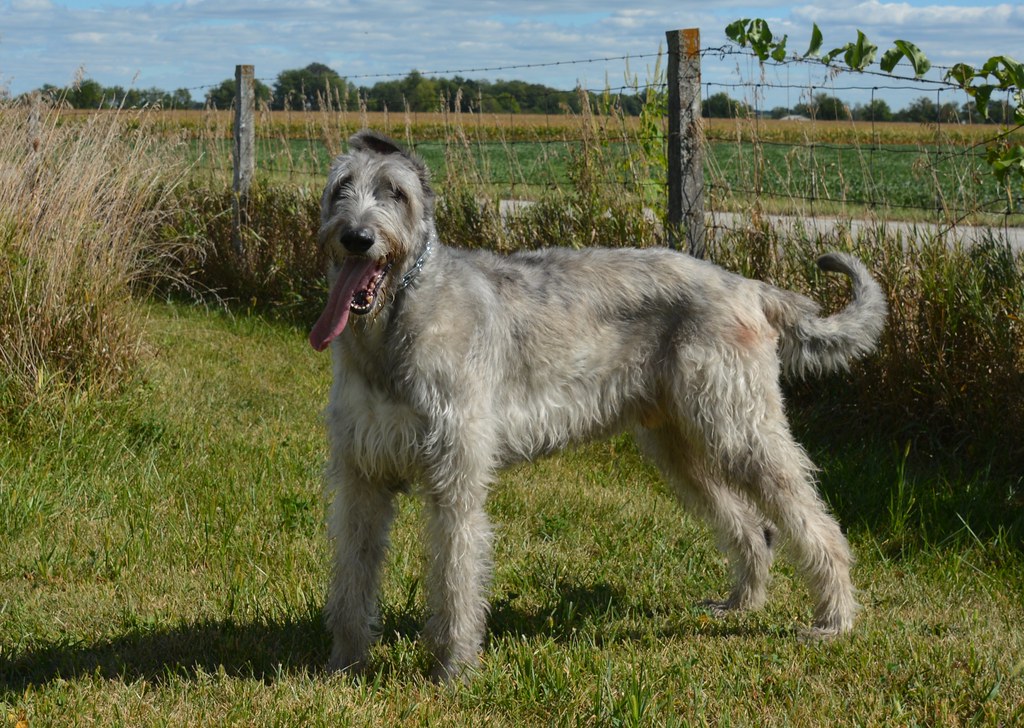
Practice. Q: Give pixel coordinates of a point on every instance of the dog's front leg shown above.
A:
(359, 519)
(459, 537)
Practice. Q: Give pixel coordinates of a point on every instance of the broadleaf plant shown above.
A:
(999, 73)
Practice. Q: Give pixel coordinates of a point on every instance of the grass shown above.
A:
(162, 561)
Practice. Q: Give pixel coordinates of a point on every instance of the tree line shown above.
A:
(317, 86)
(822, 106)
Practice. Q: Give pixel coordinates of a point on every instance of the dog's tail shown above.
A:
(809, 344)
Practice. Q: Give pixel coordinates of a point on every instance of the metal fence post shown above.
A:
(685, 142)
(244, 150)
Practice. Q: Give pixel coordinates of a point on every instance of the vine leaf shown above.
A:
(857, 55)
(816, 39)
(905, 49)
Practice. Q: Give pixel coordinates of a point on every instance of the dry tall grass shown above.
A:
(81, 207)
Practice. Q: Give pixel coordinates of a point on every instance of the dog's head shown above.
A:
(376, 216)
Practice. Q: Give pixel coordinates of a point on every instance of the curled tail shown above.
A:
(810, 344)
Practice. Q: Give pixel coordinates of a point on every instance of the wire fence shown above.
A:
(799, 136)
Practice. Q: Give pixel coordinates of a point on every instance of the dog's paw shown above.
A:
(347, 663)
(450, 673)
(719, 608)
(819, 633)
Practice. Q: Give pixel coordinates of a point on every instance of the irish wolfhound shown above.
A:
(449, 364)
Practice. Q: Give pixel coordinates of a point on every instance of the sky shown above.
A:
(195, 44)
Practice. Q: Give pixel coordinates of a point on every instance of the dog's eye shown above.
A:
(342, 189)
(397, 194)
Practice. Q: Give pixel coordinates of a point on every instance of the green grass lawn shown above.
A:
(163, 562)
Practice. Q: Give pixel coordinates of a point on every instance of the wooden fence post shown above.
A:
(685, 142)
(35, 140)
(245, 150)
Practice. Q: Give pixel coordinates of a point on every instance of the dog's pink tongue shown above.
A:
(354, 273)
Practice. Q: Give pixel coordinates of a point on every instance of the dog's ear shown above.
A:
(371, 141)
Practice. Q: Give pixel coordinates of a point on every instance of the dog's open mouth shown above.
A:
(355, 291)
(364, 298)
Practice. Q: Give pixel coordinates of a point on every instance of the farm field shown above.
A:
(163, 561)
(299, 125)
(893, 170)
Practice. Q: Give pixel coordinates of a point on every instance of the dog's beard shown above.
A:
(354, 291)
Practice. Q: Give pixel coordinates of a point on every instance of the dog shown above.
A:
(449, 364)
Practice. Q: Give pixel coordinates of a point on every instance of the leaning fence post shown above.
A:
(244, 150)
(685, 141)
(35, 134)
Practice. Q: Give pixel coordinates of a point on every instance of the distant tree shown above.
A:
(998, 113)
(922, 110)
(830, 108)
(384, 95)
(720, 106)
(180, 99)
(306, 88)
(875, 110)
(222, 96)
(632, 104)
(419, 92)
(949, 113)
(824, 107)
(87, 94)
(1003, 112)
(969, 112)
(780, 112)
(115, 97)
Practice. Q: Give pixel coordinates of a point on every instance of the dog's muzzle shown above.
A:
(358, 240)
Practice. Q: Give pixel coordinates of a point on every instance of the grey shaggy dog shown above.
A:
(450, 364)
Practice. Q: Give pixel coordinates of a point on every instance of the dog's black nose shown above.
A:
(358, 240)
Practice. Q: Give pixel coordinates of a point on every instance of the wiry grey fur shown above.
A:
(466, 361)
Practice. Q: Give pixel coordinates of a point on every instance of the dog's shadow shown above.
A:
(267, 650)
(259, 651)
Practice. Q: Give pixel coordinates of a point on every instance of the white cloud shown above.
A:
(194, 43)
(89, 38)
(31, 5)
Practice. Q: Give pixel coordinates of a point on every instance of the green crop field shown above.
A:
(898, 171)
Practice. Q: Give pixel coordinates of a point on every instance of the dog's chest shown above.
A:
(376, 430)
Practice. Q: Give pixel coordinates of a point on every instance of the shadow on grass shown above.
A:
(601, 615)
(266, 651)
(260, 651)
(908, 489)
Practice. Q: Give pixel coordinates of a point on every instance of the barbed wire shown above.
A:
(719, 51)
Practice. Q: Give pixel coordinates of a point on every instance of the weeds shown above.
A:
(949, 372)
(279, 266)
(81, 209)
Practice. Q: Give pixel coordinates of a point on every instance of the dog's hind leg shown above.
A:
(742, 534)
(759, 456)
(730, 398)
(359, 519)
(776, 474)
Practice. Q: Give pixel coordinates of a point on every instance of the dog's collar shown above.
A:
(411, 274)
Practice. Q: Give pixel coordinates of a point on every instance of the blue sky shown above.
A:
(197, 43)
